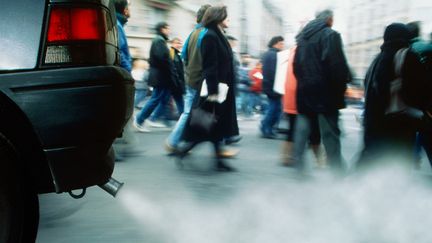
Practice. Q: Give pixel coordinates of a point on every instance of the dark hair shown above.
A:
(120, 5)
(201, 12)
(414, 29)
(274, 41)
(214, 15)
(160, 26)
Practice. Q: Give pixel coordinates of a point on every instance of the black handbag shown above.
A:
(202, 121)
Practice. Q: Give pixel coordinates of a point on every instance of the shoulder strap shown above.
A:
(399, 60)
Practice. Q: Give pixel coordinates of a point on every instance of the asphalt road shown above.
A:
(261, 202)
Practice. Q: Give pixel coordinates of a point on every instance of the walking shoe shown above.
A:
(138, 127)
(233, 139)
(171, 149)
(223, 167)
(228, 154)
(155, 124)
(269, 136)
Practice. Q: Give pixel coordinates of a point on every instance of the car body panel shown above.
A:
(61, 118)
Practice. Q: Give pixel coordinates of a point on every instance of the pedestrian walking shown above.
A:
(191, 56)
(140, 74)
(217, 67)
(177, 91)
(274, 106)
(243, 87)
(162, 75)
(290, 110)
(256, 96)
(322, 74)
(389, 137)
(423, 50)
(123, 14)
(126, 145)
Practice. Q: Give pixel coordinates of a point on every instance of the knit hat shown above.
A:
(396, 32)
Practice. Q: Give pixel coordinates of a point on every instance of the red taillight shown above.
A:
(73, 24)
(79, 35)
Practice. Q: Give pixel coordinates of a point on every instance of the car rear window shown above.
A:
(20, 28)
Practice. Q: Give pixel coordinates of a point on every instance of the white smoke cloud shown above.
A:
(386, 206)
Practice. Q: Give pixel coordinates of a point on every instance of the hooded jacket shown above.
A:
(321, 69)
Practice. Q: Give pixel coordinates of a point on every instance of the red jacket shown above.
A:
(256, 76)
(290, 97)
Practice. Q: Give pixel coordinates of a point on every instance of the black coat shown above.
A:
(269, 62)
(217, 66)
(391, 136)
(321, 69)
(179, 68)
(162, 72)
(378, 126)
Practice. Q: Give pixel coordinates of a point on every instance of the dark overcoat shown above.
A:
(321, 69)
(217, 66)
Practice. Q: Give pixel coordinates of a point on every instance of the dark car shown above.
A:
(63, 101)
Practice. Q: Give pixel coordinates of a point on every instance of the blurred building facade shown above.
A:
(253, 23)
(367, 21)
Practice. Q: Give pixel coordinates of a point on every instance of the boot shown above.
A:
(287, 150)
(222, 167)
(320, 157)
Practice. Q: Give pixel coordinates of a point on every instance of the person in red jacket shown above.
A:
(290, 109)
(256, 77)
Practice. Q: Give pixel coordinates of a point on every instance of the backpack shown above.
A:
(397, 107)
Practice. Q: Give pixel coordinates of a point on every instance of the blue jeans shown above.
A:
(246, 105)
(175, 137)
(140, 95)
(157, 97)
(162, 110)
(272, 116)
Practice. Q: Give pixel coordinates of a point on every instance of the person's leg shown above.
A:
(417, 151)
(162, 110)
(315, 143)
(151, 104)
(301, 135)
(175, 136)
(266, 123)
(220, 164)
(180, 103)
(426, 143)
(140, 95)
(287, 147)
(330, 134)
(275, 119)
(248, 104)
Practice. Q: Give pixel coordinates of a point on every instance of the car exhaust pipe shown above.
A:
(112, 186)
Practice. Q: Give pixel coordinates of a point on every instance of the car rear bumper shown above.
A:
(76, 113)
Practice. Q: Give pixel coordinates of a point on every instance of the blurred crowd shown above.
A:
(199, 87)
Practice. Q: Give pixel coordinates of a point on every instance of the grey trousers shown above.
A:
(330, 135)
